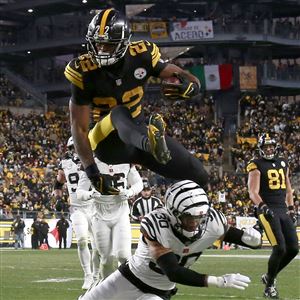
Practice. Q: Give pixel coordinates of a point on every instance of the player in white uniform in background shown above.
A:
(172, 239)
(70, 172)
(110, 221)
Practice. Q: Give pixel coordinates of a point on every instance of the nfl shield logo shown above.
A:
(119, 82)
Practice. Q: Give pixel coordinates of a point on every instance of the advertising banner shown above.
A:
(158, 30)
(193, 30)
(248, 77)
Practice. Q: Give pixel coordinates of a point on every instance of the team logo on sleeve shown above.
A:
(140, 73)
(283, 163)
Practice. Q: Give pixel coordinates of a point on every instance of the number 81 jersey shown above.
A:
(272, 180)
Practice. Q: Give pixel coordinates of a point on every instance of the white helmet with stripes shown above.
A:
(188, 206)
(70, 142)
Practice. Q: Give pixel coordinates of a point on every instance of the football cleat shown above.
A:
(88, 281)
(271, 292)
(264, 280)
(157, 141)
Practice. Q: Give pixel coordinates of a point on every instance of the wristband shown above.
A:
(215, 281)
(212, 281)
(261, 204)
(92, 170)
(291, 207)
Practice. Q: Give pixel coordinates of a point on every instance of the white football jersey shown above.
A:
(72, 170)
(158, 227)
(124, 176)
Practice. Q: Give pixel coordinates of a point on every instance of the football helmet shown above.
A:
(264, 151)
(108, 37)
(188, 207)
(70, 142)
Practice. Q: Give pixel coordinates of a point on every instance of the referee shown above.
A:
(144, 204)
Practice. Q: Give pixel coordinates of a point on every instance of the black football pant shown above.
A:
(127, 144)
(282, 235)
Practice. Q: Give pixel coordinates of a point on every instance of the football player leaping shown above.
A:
(110, 221)
(70, 171)
(172, 239)
(107, 86)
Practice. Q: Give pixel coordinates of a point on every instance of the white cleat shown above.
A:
(88, 281)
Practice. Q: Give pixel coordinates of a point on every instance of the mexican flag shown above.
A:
(213, 77)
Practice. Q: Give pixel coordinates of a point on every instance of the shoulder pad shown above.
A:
(218, 216)
(251, 166)
(144, 47)
(157, 225)
(77, 67)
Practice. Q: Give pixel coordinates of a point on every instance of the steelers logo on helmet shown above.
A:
(267, 146)
(189, 208)
(108, 37)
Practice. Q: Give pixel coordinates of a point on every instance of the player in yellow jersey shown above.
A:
(270, 190)
(107, 87)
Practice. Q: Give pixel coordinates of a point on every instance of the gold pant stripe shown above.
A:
(268, 230)
(100, 131)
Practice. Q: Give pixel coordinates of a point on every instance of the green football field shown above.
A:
(56, 275)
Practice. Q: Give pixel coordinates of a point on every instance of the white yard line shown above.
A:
(240, 256)
(205, 296)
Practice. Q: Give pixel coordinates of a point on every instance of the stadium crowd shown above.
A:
(32, 145)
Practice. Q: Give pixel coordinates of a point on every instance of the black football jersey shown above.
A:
(119, 84)
(272, 180)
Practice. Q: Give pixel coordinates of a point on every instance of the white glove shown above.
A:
(94, 194)
(126, 194)
(236, 281)
(84, 195)
(251, 237)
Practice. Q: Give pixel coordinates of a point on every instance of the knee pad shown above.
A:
(82, 243)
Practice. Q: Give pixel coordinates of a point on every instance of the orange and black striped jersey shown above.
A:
(120, 84)
(272, 180)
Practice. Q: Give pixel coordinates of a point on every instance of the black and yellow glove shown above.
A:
(292, 214)
(101, 182)
(182, 89)
(266, 211)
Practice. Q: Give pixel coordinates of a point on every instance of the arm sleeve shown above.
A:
(176, 273)
(135, 181)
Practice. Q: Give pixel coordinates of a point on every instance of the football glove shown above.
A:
(291, 212)
(183, 90)
(266, 211)
(101, 182)
(126, 194)
(236, 281)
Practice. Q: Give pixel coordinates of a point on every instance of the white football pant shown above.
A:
(80, 217)
(116, 287)
(112, 233)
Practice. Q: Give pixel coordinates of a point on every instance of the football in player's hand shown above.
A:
(172, 80)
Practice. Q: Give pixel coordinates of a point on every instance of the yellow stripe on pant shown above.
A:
(268, 230)
(100, 131)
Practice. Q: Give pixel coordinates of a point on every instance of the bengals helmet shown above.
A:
(108, 37)
(267, 146)
(188, 207)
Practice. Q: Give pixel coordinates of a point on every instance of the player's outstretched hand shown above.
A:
(235, 280)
